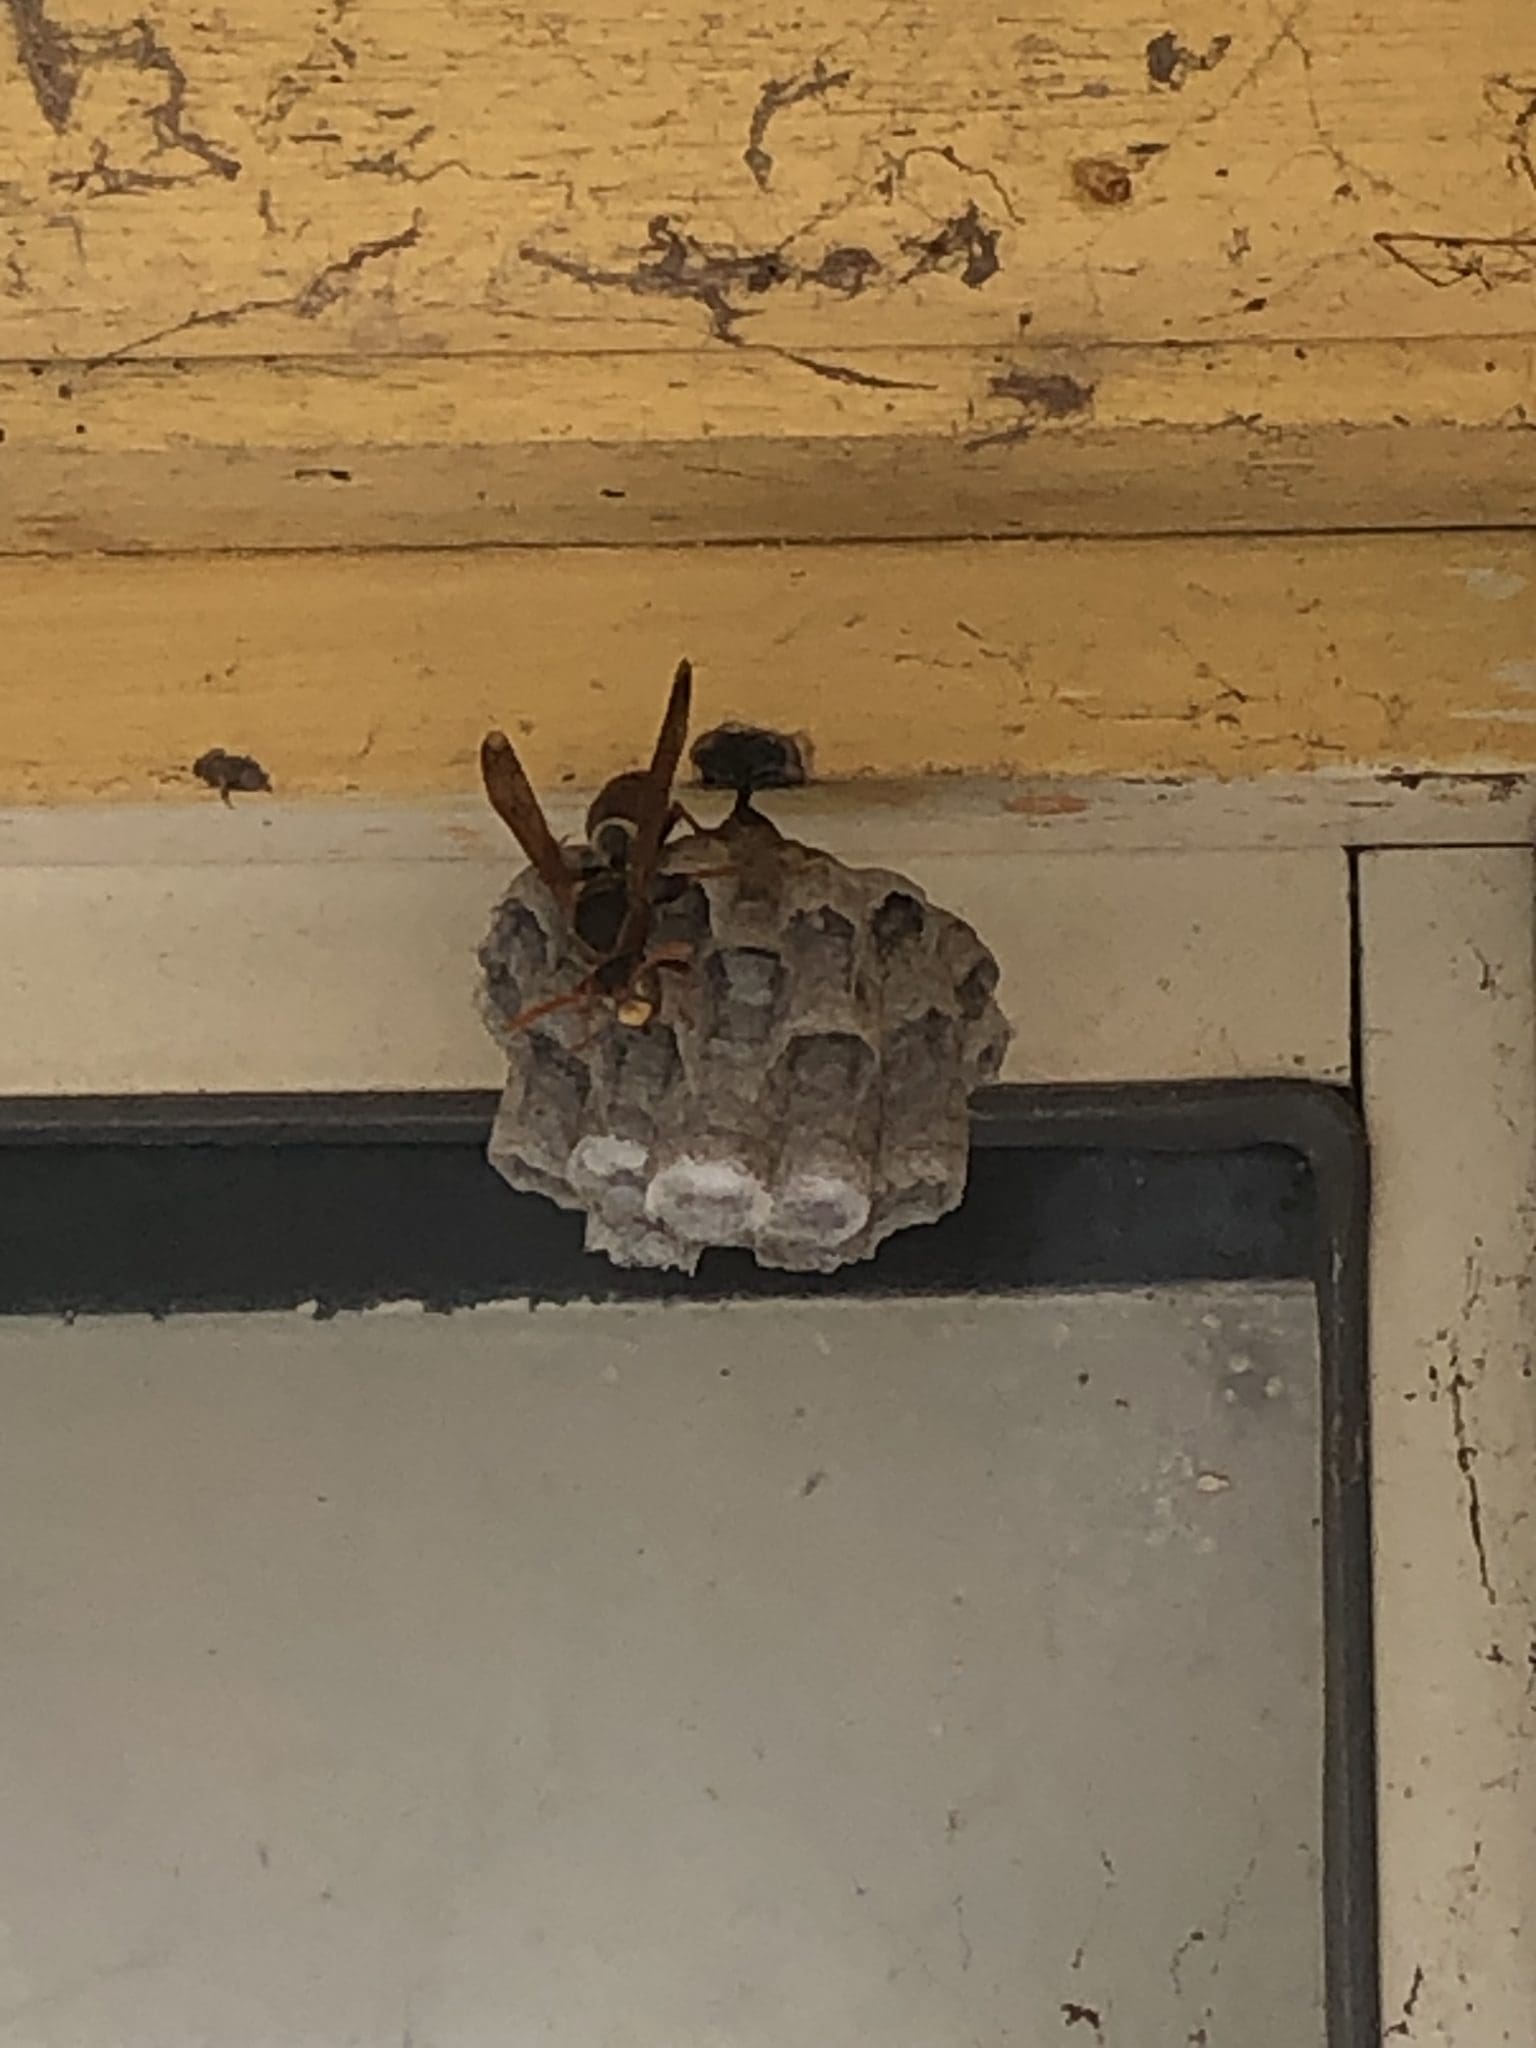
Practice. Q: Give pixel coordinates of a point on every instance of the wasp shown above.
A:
(606, 887)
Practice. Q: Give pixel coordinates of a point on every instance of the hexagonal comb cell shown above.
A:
(798, 1087)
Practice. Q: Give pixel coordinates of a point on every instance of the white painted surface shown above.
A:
(877, 821)
(344, 974)
(247, 961)
(654, 1678)
(1450, 1088)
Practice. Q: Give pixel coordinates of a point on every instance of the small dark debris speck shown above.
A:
(813, 1480)
(749, 757)
(1077, 2015)
(1163, 55)
(226, 772)
(1170, 62)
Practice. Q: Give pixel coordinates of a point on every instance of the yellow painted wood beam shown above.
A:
(440, 273)
(680, 447)
(445, 176)
(377, 673)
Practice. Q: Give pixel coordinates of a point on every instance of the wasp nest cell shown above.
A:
(801, 1086)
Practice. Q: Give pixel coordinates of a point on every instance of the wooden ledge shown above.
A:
(686, 446)
(375, 674)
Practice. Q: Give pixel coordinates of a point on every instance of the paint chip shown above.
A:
(1493, 583)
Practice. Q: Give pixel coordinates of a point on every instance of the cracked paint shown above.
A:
(778, 94)
(311, 117)
(1447, 260)
(1403, 2025)
(676, 265)
(846, 373)
(963, 247)
(1455, 1385)
(1490, 260)
(1349, 168)
(895, 170)
(144, 49)
(1513, 101)
(56, 60)
(328, 285)
(48, 56)
(914, 198)
(1448, 980)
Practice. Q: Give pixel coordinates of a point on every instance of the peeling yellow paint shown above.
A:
(448, 273)
(453, 177)
(605, 283)
(1496, 584)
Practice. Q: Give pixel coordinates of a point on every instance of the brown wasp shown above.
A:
(606, 887)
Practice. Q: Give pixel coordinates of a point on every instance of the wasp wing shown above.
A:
(513, 800)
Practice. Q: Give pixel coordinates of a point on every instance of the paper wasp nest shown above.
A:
(802, 1089)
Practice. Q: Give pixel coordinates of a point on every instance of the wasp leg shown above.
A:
(580, 996)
